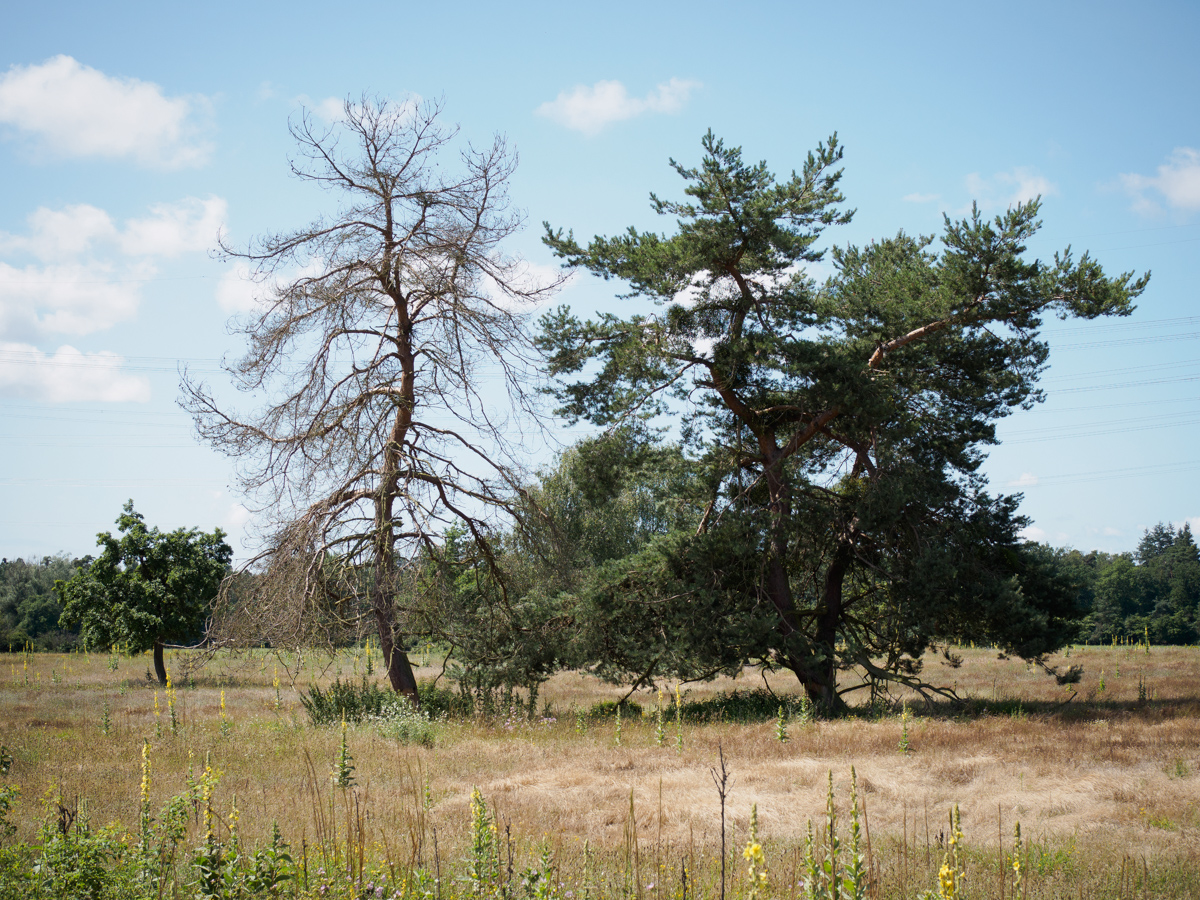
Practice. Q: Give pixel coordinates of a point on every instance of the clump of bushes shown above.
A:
(407, 725)
(607, 709)
(758, 705)
(347, 701)
(392, 715)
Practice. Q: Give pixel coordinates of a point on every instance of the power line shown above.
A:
(1126, 325)
(1060, 434)
(1126, 342)
(1157, 367)
(1111, 474)
(104, 482)
(1124, 421)
(1126, 384)
(1055, 410)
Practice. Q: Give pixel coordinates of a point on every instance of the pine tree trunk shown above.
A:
(817, 672)
(399, 669)
(821, 685)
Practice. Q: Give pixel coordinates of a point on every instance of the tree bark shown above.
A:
(817, 671)
(779, 587)
(822, 681)
(160, 666)
(399, 669)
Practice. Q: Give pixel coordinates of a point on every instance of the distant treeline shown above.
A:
(1154, 592)
(29, 607)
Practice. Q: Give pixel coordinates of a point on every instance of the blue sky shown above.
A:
(130, 133)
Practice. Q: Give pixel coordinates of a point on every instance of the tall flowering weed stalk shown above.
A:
(144, 804)
(905, 717)
(756, 861)
(857, 876)
(951, 875)
(171, 706)
(678, 720)
(1018, 873)
(830, 873)
(660, 733)
(209, 861)
(483, 866)
(343, 766)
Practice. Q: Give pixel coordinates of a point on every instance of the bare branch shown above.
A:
(378, 428)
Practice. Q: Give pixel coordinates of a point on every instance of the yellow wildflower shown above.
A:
(946, 881)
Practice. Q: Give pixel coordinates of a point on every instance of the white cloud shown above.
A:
(591, 109)
(61, 234)
(1177, 182)
(73, 231)
(1006, 189)
(171, 229)
(331, 109)
(237, 292)
(236, 518)
(1027, 479)
(90, 272)
(1032, 533)
(68, 376)
(528, 276)
(75, 111)
(69, 298)
(921, 198)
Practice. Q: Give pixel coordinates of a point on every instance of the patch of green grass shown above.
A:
(744, 707)
(607, 709)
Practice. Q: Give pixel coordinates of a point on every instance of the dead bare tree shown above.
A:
(387, 339)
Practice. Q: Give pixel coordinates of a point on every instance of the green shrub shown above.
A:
(444, 702)
(758, 705)
(80, 863)
(607, 709)
(346, 700)
(367, 701)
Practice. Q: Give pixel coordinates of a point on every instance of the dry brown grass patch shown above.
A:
(1114, 773)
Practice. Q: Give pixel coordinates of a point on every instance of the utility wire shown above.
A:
(1111, 474)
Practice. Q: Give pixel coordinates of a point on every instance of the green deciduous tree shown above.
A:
(847, 419)
(147, 588)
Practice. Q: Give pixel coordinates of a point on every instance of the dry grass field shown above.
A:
(1105, 783)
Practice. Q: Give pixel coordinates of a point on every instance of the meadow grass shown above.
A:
(1104, 782)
